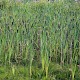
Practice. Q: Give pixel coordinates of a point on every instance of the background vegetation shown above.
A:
(39, 41)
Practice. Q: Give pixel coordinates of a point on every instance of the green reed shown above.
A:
(41, 32)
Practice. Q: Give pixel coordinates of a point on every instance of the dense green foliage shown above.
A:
(42, 38)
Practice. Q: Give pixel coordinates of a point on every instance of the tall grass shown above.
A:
(43, 32)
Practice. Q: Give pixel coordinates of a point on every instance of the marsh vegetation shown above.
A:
(39, 41)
